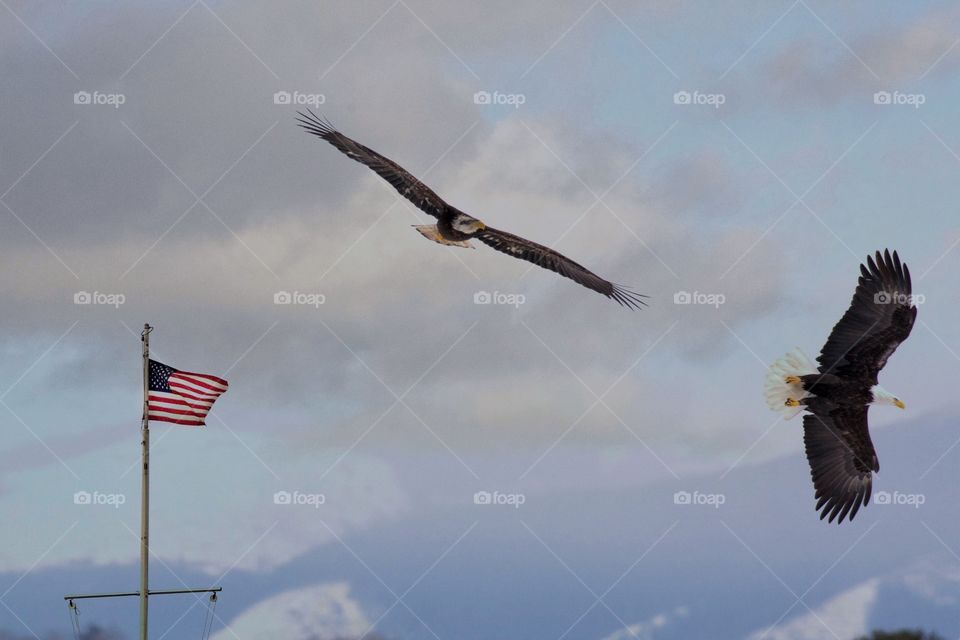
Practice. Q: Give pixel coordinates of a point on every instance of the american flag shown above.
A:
(181, 397)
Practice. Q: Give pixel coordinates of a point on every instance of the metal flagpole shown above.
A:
(145, 487)
(144, 592)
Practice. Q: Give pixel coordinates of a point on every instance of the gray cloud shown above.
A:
(818, 70)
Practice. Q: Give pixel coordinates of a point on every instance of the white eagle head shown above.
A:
(467, 224)
(882, 396)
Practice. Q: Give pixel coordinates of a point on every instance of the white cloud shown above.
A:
(934, 581)
(319, 611)
(844, 616)
(647, 629)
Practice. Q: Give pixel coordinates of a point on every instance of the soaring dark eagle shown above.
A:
(456, 228)
(838, 393)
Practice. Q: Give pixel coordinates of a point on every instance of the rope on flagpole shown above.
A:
(74, 613)
(145, 489)
(208, 618)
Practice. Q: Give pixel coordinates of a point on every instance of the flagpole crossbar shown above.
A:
(152, 592)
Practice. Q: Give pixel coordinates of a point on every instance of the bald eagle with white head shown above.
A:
(837, 393)
(456, 228)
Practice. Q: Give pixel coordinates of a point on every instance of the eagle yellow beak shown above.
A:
(898, 403)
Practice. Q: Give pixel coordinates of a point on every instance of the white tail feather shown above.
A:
(431, 232)
(776, 391)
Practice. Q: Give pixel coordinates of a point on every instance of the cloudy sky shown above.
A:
(746, 156)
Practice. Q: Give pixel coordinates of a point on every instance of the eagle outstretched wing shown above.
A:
(402, 180)
(842, 460)
(547, 258)
(880, 317)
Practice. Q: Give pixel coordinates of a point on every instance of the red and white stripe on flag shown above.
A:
(189, 399)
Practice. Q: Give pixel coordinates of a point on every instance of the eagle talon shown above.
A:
(792, 380)
(792, 403)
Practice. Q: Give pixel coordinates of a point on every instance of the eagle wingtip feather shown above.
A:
(629, 298)
(316, 125)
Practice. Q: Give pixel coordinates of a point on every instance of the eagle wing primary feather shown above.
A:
(880, 317)
(402, 180)
(842, 460)
(549, 259)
